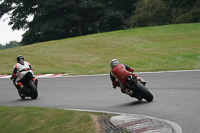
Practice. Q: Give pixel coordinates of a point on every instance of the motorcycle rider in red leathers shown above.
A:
(119, 74)
(20, 67)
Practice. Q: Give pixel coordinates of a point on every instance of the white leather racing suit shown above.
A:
(20, 70)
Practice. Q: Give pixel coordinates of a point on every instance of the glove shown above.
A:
(131, 70)
(13, 77)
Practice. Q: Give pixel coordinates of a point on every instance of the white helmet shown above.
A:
(113, 63)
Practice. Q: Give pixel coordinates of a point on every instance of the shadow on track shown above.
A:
(135, 103)
(23, 100)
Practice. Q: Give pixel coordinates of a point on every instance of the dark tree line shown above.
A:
(57, 19)
(11, 44)
(161, 12)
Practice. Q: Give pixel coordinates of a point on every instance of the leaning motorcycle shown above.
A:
(139, 90)
(29, 88)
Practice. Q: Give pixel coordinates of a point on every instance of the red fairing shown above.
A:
(121, 73)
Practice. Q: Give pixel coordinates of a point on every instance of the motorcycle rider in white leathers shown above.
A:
(20, 69)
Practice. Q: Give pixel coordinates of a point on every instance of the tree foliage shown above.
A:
(11, 44)
(57, 19)
(149, 13)
(160, 12)
(184, 11)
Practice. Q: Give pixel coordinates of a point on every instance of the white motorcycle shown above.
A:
(29, 88)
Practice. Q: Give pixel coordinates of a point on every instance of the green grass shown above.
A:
(159, 48)
(44, 120)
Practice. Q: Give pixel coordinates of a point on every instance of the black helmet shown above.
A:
(19, 58)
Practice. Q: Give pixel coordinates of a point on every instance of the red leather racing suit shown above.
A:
(121, 72)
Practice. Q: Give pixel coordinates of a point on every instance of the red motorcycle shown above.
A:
(139, 90)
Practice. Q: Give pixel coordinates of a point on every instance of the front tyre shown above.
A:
(21, 94)
(33, 88)
(142, 90)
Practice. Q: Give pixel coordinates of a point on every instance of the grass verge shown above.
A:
(159, 48)
(45, 120)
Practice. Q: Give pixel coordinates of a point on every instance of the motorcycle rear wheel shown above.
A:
(144, 92)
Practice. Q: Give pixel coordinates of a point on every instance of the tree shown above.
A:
(11, 44)
(149, 13)
(1, 46)
(19, 11)
(117, 12)
(183, 11)
(57, 19)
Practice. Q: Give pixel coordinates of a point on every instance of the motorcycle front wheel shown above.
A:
(33, 88)
(21, 94)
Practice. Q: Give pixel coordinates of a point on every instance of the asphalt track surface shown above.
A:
(176, 96)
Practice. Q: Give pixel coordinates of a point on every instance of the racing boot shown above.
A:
(129, 92)
(141, 80)
(19, 86)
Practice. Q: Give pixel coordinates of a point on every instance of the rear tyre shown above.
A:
(144, 92)
(33, 88)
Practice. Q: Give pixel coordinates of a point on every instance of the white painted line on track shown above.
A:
(44, 76)
(66, 74)
(5, 76)
(38, 76)
(175, 71)
(134, 72)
